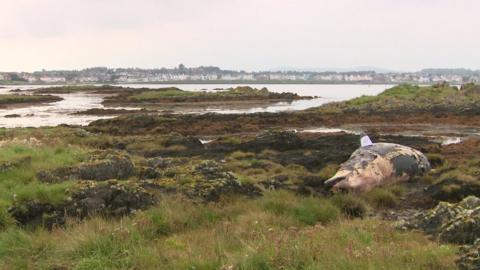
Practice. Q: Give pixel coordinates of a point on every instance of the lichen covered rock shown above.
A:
(113, 198)
(454, 223)
(207, 181)
(216, 181)
(470, 256)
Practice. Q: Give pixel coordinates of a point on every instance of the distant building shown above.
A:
(28, 77)
(52, 79)
(276, 76)
(210, 77)
(5, 77)
(230, 77)
(248, 77)
(209, 73)
(88, 79)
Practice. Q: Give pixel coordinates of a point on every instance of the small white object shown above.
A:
(365, 141)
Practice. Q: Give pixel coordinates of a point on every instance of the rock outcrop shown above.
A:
(110, 199)
(215, 181)
(453, 223)
(470, 256)
(112, 167)
(277, 140)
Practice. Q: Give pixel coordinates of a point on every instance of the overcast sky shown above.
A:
(239, 34)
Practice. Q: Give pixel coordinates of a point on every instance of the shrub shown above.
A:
(397, 190)
(5, 218)
(436, 160)
(350, 205)
(382, 198)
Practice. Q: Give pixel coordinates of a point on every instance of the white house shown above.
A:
(53, 79)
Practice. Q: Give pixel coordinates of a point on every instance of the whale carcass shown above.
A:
(376, 164)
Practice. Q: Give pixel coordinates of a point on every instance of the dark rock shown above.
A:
(110, 199)
(454, 188)
(116, 167)
(281, 178)
(113, 167)
(313, 180)
(276, 140)
(147, 173)
(187, 141)
(12, 115)
(37, 214)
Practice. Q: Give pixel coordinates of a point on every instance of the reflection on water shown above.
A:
(329, 130)
(56, 113)
(275, 107)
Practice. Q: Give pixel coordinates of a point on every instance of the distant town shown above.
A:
(210, 74)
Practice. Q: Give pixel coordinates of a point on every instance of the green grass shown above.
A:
(236, 233)
(175, 94)
(350, 205)
(280, 230)
(383, 197)
(18, 182)
(14, 99)
(410, 97)
(306, 211)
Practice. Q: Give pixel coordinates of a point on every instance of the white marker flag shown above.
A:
(365, 141)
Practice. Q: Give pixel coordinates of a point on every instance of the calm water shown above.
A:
(56, 113)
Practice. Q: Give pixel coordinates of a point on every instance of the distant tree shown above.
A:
(15, 77)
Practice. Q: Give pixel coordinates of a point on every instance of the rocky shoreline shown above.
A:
(250, 176)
